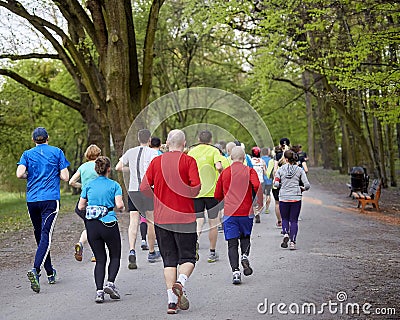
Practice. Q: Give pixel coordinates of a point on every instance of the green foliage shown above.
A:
(14, 213)
(22, 110)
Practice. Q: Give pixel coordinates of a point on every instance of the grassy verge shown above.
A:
(14, 213)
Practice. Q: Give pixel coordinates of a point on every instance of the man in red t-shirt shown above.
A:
(175, 179)
(236, 185)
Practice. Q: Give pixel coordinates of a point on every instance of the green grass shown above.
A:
(14, 213)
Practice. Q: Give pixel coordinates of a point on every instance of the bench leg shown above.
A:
(363, 206)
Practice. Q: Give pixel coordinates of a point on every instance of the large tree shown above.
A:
(96, 42)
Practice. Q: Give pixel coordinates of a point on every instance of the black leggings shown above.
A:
(143, 230)
(233, 250)
(98, 234)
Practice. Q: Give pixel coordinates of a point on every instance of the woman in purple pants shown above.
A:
(287, 179)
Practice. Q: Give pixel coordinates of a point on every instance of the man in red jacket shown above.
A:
(175, 180)
(236, 186)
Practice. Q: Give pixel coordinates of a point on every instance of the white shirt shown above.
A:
(259, 165)
(145, 155)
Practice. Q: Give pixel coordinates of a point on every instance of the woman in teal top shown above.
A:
(104, 193)
(85, 173)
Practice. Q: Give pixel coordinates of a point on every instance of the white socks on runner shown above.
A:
(182, 279)
(172, 297)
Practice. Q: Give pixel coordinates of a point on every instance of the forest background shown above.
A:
(323, 73)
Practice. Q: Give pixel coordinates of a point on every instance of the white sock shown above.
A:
(172, 297)
(182, 279)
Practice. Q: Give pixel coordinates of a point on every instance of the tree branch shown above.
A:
(291, 83)
(42, 90)
(16, 57)
(41, 25)
(74, 7)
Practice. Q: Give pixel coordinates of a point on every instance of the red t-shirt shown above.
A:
(175, 178)
(235, 185)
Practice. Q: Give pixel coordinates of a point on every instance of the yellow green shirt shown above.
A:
(206, 157)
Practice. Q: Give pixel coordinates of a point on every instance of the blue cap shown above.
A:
(40, 134)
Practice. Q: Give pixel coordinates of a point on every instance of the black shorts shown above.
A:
(267, 189)
(137, 201)
(211, 204)
(275, 193)
(175, 247)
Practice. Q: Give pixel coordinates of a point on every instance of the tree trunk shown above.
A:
(346, 149)
(398, 138)
(391, 152)
(326, 123)
(310, 123)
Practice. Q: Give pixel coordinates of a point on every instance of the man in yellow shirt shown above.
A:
(208, 159)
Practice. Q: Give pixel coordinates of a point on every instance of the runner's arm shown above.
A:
(82, 203)
(120, 167)
(21, 172)
(119, 203)
(218, 166)
(74, 180)
(255, 182)
(305, 167)
(219, 192)
(64, 174)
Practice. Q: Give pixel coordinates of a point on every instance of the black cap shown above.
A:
(284, 141)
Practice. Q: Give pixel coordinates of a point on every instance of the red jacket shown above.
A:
(235, 186)
(175, 178)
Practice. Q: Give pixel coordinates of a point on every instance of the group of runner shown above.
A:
(170, 193)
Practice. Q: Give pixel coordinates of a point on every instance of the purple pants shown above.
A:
(290, 212)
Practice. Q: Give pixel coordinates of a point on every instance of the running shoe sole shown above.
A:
(132, 262)
(35, 286)
(113, 294)
(292, 247)
(247, 270)
(285, 241)
(183, 302)
(78, 252)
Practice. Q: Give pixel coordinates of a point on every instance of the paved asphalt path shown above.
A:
(340, 253)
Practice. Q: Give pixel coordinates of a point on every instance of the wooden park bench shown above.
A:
(372, 197)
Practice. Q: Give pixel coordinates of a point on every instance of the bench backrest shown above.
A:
(375, 190)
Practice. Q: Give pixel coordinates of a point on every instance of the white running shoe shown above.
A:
(237, 277)
(285, 241)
